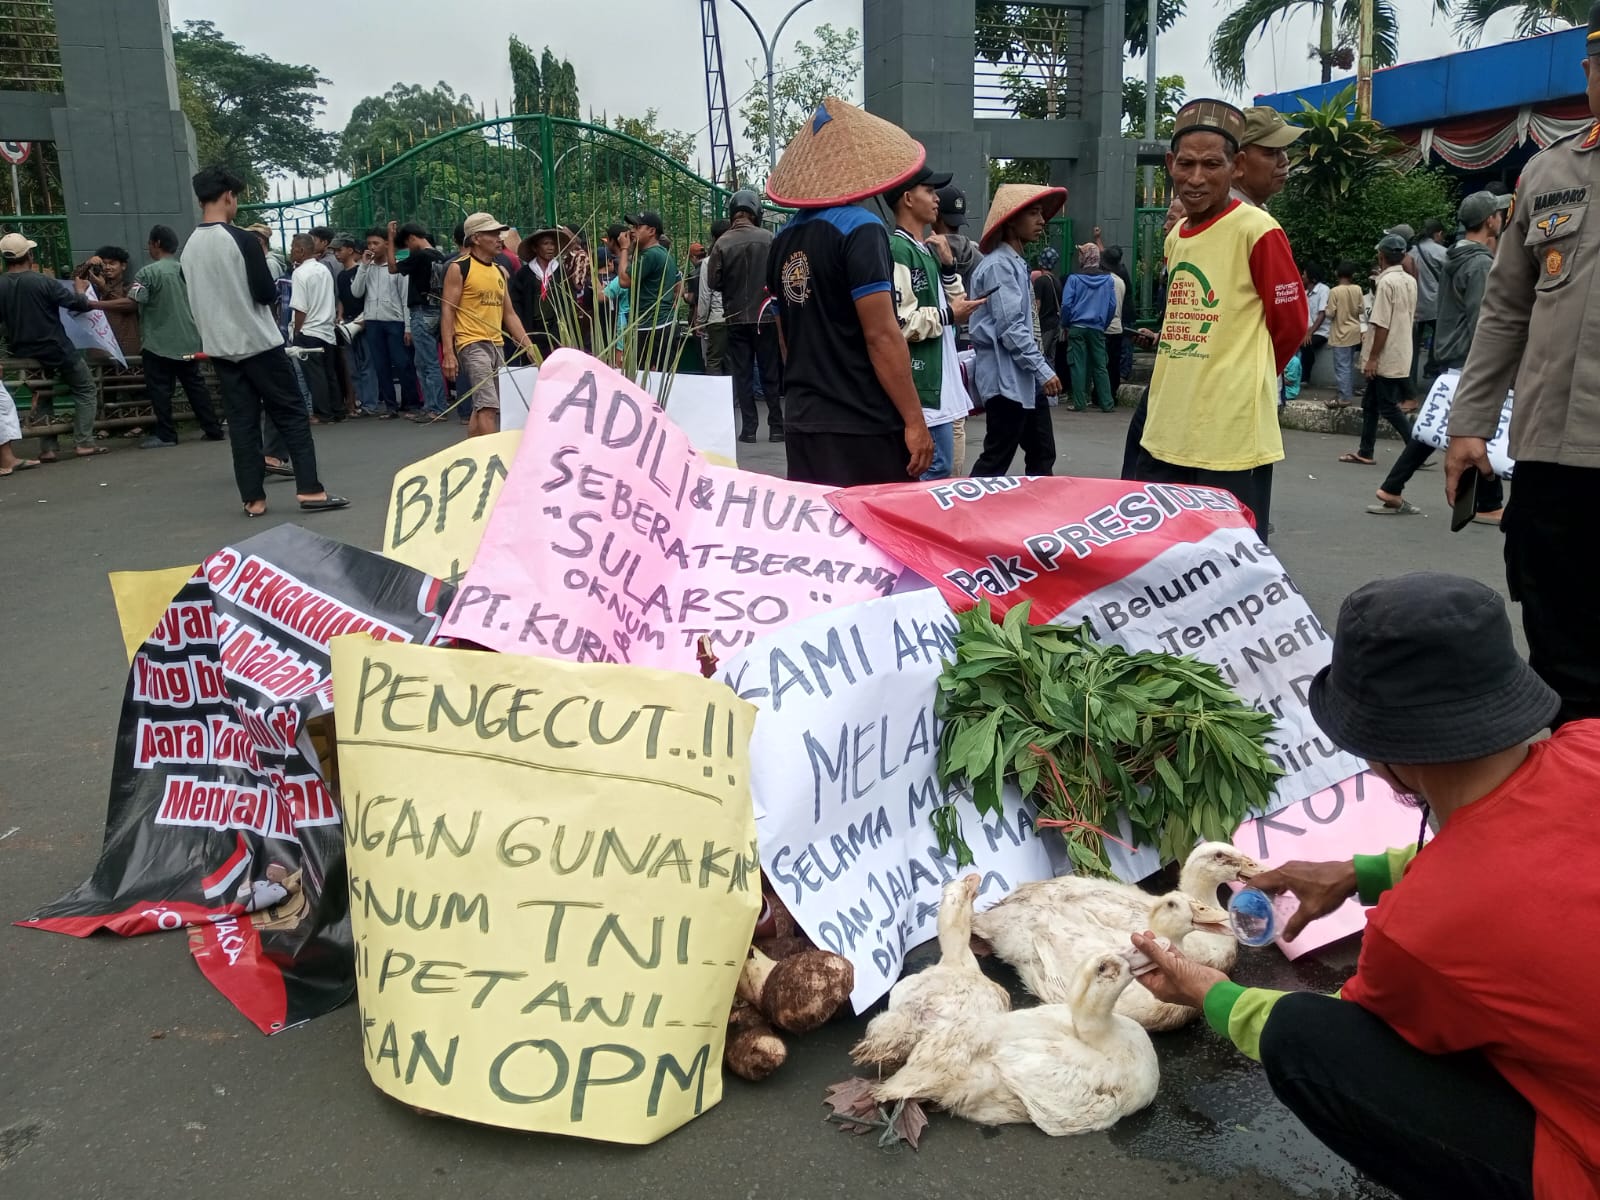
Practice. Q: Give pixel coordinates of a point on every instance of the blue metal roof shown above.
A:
(1532, 70)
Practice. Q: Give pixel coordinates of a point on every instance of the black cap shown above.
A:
(1447, 686)
(952, 206)
(649, 219)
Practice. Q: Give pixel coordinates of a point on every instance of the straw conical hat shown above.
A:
(842, 155)
(1012, 198)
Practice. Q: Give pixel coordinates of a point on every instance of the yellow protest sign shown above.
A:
(553, 883)
(440, 505)
(142, 599)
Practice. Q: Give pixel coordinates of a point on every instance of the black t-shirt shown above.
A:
(350, 304)
(821, 263)
(1048, 294)
(418, 270)
(29, 302)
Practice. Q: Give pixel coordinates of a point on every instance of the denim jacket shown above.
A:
(1008, 361)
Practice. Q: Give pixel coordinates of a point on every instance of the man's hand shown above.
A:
(81, 284)
(1148, 336)
(449, 363)
(1052, 386)
(394, 228)
(1321, 887)
(1465, 454)
(1371, 369)
(406, 337)
(940, 245)
(963, 309)
(919, 443)
(1176, 979)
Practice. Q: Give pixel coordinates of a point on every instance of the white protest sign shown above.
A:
(1434, 419)
(700, 405)
(844, 773)
(91, 330)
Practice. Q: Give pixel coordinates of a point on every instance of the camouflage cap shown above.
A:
(1215, 116)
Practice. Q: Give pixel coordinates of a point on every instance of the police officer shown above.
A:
(1539, 330)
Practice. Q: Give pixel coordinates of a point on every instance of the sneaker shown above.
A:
(155, 443)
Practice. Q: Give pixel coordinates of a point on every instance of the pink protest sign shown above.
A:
(614, 541)
(1358, 816)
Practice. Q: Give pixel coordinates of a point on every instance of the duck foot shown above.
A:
(855, 1111)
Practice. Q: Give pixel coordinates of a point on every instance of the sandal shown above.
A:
(1404, 509)
(1356, 458)
(80, 453)
(22, 464)
(253, 515)
(282, 469)
(326, 504)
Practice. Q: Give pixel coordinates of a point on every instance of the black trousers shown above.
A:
(1131, 449)
(1252, 488)
(264, 384)
(847, 459)
(161, 375)
(1308, 356)
(1382, 399)
(753, 348)
(1491, 493)
(322, 377)
(1114, 362)
(1007, 426)
(1428, 1126)
(1553, 571)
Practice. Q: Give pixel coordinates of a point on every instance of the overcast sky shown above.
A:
(650, 56)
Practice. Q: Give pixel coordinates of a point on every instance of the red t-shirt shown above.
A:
(1489, 943)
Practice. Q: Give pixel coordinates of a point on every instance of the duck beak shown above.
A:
(1250, 869)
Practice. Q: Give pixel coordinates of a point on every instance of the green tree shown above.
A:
(260, 113)
(1137, 23)
(1339, 151)
(1324, 236)
(1338, 31)
(1533, 16)
(827, 66)
(1169, 99)
(381, 127)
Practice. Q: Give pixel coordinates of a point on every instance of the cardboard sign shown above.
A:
(440, 505)
(1434, 419)
(1147, 566)
(614, 541)
(553, 883)
(845, 758)
(1361, 815)
(142, 599)
(91, 330)
(220, 818)
(700, 405)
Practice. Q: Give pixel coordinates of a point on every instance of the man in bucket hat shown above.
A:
(1460, 1060)
(476, 310)
(851, 412)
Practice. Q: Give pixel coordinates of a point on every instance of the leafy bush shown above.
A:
(1324, 235)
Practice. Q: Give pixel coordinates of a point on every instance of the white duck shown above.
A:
(952, 988)
(1123, 907)
(1068, 1068)
(1074, 935)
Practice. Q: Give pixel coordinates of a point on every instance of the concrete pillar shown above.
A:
(1102, 186)
(127, 152)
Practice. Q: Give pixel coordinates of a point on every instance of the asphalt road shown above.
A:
(124, 1075)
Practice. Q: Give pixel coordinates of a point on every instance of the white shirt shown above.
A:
(231, 292)
(954, 403)
(1317, 318)
(312, 293)
(1121, 291)
(383, 294)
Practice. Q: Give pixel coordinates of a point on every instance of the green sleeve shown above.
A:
(1240, 1014)
(1377, 873)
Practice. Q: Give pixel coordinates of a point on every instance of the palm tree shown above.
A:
(1533, 16)
(1339, 30)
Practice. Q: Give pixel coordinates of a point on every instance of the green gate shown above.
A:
(1148, 247)
(529, 170)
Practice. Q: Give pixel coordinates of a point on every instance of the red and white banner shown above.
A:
(1148, 566)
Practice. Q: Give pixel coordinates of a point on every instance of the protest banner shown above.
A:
(1434, 419)
(845, 756)
(700, 405)
(220, 818)
(553, 884)
(440, 505)
(142, 599)
(614, 541)
(91, 330)
(1361, 815)
(1146, 566)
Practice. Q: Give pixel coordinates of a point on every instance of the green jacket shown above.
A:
(918, 306)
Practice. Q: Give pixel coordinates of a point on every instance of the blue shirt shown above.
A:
(1008, 361)
(1090, 301)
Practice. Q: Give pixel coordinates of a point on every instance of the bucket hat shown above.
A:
(843, 154)
(1425, 670)
(482, 222)
(1013, 198)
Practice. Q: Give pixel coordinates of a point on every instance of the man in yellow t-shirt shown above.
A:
(477, 305)
(1236, 314)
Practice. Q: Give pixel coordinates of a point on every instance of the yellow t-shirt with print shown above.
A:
(483, 300)
(1213, 399)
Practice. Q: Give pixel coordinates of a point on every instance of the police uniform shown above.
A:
(1538, 330)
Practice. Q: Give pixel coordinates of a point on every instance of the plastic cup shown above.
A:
(1258, 919)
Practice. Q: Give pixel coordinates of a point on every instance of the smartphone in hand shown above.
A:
(1466, 505)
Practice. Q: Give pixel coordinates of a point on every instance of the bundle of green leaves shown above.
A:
(1089, 730)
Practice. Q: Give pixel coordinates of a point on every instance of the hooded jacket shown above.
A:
(1090, 301)
(1466, 272)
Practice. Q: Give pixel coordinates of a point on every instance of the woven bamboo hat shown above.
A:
(842, 155)
(1013, 198)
